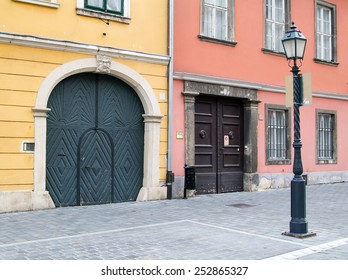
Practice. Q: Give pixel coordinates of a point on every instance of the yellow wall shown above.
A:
(22, 69)
(147, 30)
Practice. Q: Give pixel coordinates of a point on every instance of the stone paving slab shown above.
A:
(224, 226)
(174, 240)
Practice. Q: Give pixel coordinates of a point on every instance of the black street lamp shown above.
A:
(294, 44)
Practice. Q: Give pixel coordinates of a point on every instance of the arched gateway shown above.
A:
(97, 135)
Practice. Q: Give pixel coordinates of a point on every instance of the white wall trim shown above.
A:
(51, 4)
(76, 47)
(149, 102)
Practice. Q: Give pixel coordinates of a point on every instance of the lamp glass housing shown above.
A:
(294, 43)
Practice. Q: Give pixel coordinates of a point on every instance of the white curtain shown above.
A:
(96, 3)
(114, 5)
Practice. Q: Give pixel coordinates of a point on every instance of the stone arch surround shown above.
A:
(151, 189)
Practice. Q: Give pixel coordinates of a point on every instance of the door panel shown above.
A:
(231, 169)
(218, 145)
(205, 146)
(120, 113)
(72, 110)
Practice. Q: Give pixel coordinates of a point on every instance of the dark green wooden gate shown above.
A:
(95, 141)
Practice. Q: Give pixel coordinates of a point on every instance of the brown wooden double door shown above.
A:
(218, 144)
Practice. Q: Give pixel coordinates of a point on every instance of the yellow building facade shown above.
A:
(76, 78)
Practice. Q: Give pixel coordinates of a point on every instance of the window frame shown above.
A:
(105, 9)
(278, 161)
(287, 17)
(229, 26)
(333, 36)
(333, 158)
(82, 10)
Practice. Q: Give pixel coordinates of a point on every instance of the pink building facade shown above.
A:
(230, 117)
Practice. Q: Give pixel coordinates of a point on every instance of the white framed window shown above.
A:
(277, 17)
(108, 6)
(217, 19)
(115, 10)
(325, 32)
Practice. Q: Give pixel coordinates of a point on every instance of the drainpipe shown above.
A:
(170, 174)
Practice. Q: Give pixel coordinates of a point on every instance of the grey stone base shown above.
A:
(259, 182)
(251, 181)
(178, 187)
(283, 180)
(153, 193)
(24, 201)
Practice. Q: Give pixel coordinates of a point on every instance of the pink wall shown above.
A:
(243, 62)
(247, 62)
(308, 134)
(178, 159)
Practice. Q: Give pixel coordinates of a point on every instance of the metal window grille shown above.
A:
(277, 128)
(326, 130)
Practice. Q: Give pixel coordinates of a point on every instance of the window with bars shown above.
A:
(278, 138)
(325, 31)
(326, 137)
(277, 15)
(217, 19)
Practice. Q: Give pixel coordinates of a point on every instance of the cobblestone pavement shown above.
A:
(239, 226)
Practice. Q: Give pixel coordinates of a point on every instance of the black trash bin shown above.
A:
(190, 179)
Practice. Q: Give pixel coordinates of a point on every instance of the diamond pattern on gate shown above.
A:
(122, 117)
(96, 166)
(71, 113)
(61, 170)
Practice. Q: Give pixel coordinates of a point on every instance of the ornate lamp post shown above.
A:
(294, 44)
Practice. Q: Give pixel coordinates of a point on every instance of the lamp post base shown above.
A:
(299, 235)
(298, 223)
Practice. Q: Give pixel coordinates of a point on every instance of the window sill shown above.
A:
(278, 162)
(325, 62)
(217, 41)
(41, 3)
(268, 51)
(326, 161)
(101, 15)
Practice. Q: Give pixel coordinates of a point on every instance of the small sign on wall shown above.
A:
(226, 140)
(28, 147)
(180, 135)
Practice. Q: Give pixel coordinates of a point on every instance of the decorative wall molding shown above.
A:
(76, 47)
(250, 85)
(103, 64)
(51, 4)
